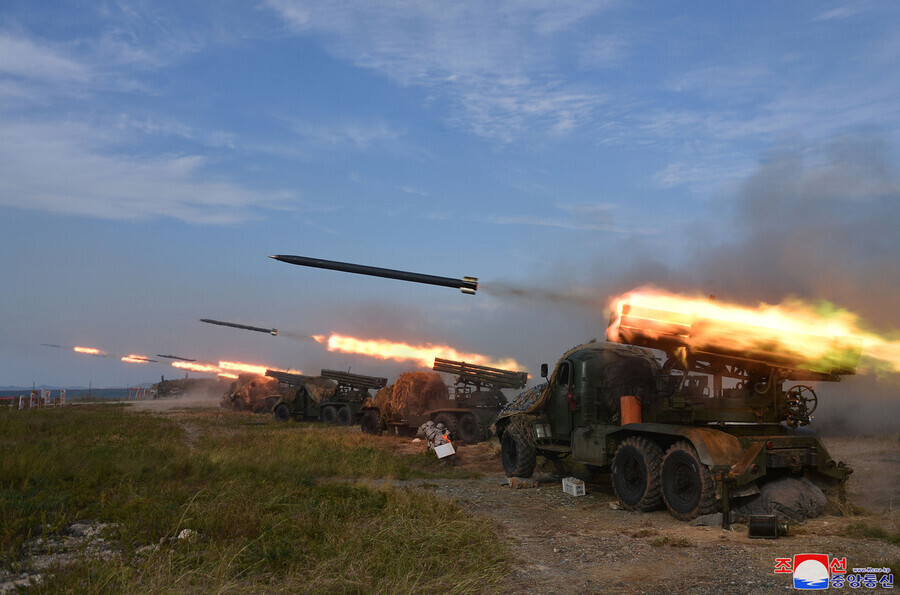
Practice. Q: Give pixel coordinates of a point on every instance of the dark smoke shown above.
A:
(297, 336)
(818, 223)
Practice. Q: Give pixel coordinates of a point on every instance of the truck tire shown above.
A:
(344, 416)
(468, 429)
(449, 421)
(518, 455)
(372, 423)
(635, 474)
(329, 415)
(282, 412)
(687, 485)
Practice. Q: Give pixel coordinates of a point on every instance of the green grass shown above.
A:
(860, 529)
(292, 507)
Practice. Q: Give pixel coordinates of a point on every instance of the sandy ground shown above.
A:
(564, 544)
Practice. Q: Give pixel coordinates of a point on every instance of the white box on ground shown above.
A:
(444, 450)
(573, 486)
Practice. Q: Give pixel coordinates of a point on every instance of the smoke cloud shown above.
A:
(813, 222)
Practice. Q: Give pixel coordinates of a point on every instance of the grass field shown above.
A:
(293, 507)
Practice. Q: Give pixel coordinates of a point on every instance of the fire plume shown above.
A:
(249, 368)
(228, 375)
(421, 354)
(136, 359)
(817, 337)
(88, 350)
(197, 367)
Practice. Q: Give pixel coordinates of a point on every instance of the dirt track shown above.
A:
(585, 544)
(564, 544)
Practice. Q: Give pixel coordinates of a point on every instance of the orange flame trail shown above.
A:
(421, 354)
(818, 337)
(88, 350)
(241, 367)
(136, 359)
(197, 367)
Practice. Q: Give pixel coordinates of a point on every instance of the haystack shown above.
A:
(414, 389)
(250, 393)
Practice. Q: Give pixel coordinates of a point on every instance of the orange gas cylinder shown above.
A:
(631, 409)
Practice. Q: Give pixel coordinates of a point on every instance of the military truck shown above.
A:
(332, 397)
(689, 430)
(477, 399)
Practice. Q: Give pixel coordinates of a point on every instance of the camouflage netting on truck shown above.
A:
(414, 389)
(320, 388)
(623, 374)
(249, 393)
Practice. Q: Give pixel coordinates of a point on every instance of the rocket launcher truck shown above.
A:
(476, 401)
(332, 397)
(710, 422)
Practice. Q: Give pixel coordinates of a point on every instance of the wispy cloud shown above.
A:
(359, 135)
(579, 217)
(23, 57)
(67, 168)
(495, 63)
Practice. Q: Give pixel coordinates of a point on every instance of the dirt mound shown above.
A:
(411, 388)
(251, 393)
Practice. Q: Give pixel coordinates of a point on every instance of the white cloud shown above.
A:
(579, 217)
(495, 63)
(67, 168)
(357, 135)
(22, 57)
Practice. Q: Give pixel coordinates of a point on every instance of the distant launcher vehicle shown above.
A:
(333, 397)
(419, 397)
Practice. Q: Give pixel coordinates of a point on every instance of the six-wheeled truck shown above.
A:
(476, 401)
(690, 431)
(332, 397)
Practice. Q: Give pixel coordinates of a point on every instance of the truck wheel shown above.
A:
(344, 417)
(687, 485)
(519, 457)
(468, 429)
(372, 423)
(329, 415)
(449, 421)
(282, 412)
(635, 474)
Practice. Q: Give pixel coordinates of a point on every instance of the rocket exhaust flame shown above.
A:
(252, 369)
(423, 355)
(138, 359)
(819, 338)
(197, 367)
(89, 351)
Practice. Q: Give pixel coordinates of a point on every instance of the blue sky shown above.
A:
(152, 154)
